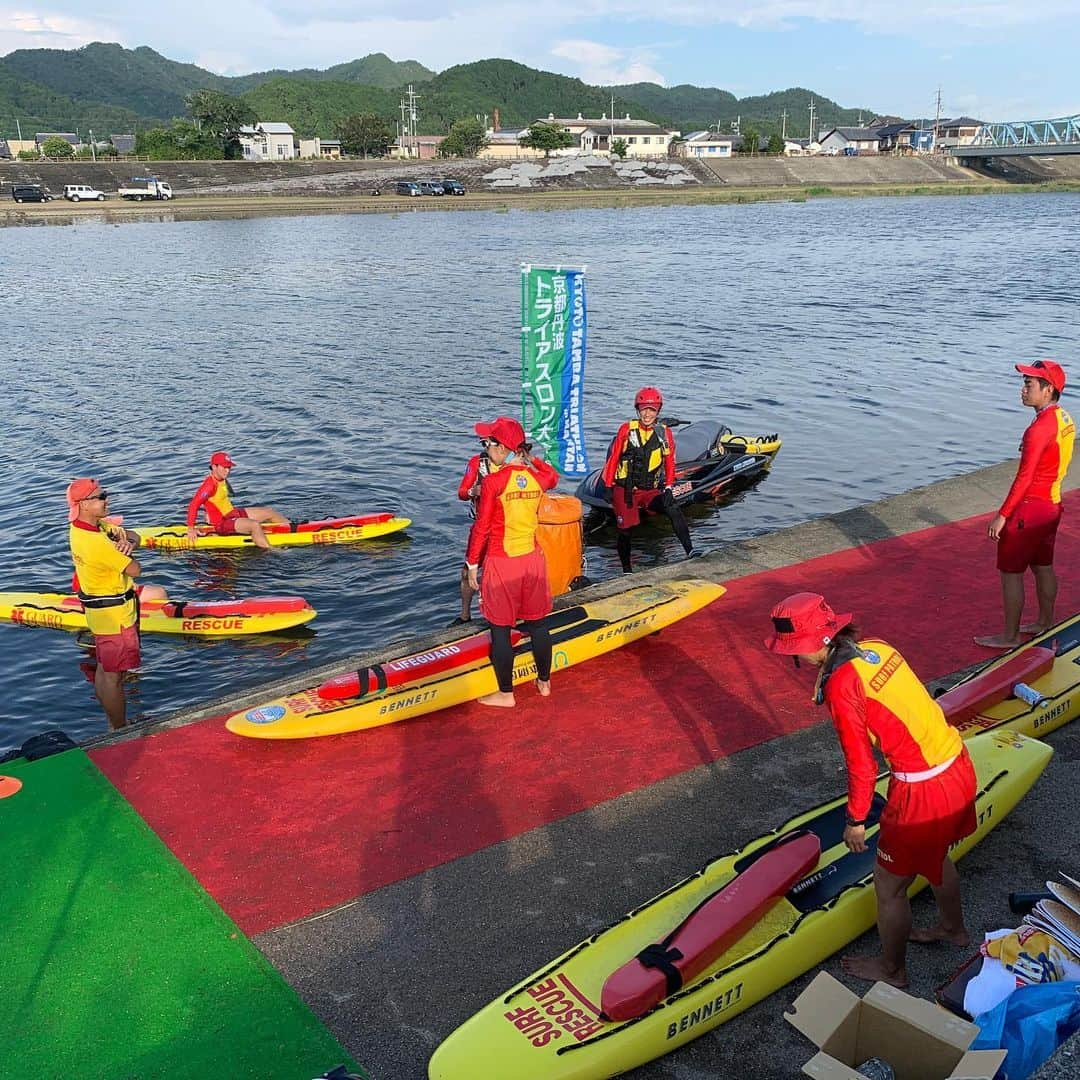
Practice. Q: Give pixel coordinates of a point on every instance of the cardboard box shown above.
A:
(919, 1040)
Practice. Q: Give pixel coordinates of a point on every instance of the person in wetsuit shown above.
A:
(213, 498)
(478, 466)
(515, 584)
(640, 472)
(104, 572)
(875, 699)
(1026, 526)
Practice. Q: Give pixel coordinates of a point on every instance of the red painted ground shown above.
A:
(278, 831)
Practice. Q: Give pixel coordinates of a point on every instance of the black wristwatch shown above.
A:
(852, 824)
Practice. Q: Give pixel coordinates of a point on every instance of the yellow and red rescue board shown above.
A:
(202, 618)
(459, 671)
(331, 531)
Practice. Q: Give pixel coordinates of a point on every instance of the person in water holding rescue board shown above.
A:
(101, 551)
(640, 471)
(1025, 527)
(875, 699)
(515, 584)
(479, 466)
(213, 497)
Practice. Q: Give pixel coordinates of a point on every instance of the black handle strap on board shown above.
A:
(662, 957)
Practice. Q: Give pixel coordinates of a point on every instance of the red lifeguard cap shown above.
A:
(1052, 372)
(222, 459)
(78, 490)
(803, 623)
(505, 430)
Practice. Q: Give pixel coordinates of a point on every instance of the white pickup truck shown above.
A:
(145, 187)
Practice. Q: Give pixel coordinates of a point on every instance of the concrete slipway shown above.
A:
(392, 972)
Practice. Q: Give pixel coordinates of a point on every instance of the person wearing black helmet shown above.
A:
(640, 472)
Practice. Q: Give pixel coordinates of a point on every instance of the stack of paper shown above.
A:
(1061, 917)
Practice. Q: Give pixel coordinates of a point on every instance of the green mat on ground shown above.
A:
(116, 963)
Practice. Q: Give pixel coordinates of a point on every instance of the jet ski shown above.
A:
(711, 461)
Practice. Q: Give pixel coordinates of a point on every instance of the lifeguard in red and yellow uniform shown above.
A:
(214, 499)
(640, 472)
(875, 699)
(515, 583)
(1026, 525)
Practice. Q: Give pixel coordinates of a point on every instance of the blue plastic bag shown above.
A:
(1031, 1023)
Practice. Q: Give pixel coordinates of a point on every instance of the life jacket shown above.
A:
(642, 458)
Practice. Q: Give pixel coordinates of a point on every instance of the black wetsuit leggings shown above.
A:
(502, 653)
(664, 503)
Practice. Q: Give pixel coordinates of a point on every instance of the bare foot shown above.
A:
(498, 700)
(1033, 628)
(873, 969)
(927, 935)
(997, 641)
(543, 687)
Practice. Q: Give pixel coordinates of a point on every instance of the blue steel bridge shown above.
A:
(1025, 138)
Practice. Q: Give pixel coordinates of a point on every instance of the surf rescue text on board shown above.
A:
(202, 623)
(719, 1004)
(23, 617)
(560, 1009)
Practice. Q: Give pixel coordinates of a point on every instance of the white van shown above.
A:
(78, 192)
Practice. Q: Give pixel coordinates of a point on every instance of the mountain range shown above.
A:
(112, 89)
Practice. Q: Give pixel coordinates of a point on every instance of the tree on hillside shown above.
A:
(55, 147)
(221, 116)
(365, 134)
(750, 139)
(547, 137)
(466, 139)
(776, 144)
(619, 148)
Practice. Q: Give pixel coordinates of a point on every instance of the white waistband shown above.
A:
(928, 774)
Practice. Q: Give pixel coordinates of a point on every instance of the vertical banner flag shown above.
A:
(553, 326)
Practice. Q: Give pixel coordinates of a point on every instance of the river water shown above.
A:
(343, 360)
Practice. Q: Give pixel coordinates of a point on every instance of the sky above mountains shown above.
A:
(992, 59)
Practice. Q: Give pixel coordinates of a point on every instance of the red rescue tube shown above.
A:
(663, 968)
(253, 605)
(406, 669)
(989, 688)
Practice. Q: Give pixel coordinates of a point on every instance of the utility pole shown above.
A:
(937, 117)
(783, 125)
(611, 137)
(93, 149)
(18, 128)
(812, 137)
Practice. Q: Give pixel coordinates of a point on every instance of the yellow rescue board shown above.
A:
(604, 625)
(61, 611)
(549, 1027)
(343, 531)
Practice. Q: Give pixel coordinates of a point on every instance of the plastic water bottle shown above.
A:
(876, 1069)
(1028, 694)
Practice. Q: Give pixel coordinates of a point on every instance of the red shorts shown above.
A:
(227, 525)
(628, 514)
(921, 821)
(118, 652)
(515, 587)
(1028, 537)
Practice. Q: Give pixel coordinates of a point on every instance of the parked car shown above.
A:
(30, 193)
(431, 187)
(407, 187)
(78, 192)
(453, 187)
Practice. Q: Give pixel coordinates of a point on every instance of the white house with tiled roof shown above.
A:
(269, 142)
(595, 135)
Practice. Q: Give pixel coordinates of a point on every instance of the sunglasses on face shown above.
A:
(103, 495)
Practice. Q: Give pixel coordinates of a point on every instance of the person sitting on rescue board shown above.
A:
(226, 519)
(640, 470)
(515, 584)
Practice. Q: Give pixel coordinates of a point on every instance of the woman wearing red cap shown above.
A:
(875, 699)
(515, 585)
(1026, 525)
(640, 470)
(226, 519)
(477, 467)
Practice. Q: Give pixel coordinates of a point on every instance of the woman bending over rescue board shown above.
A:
(515, 583)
